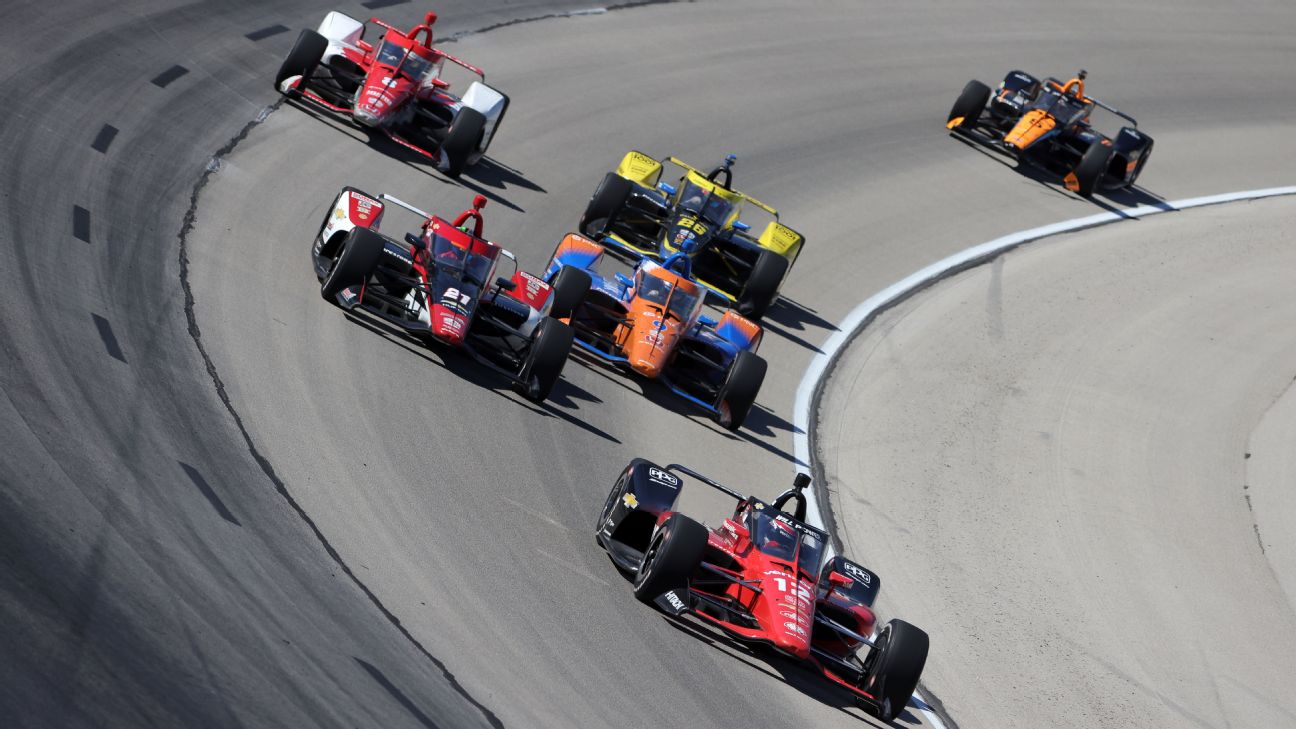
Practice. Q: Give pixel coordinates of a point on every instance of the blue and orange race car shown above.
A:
(651, 323)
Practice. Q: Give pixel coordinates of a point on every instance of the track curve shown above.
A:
(1082, 471)
(480, 547)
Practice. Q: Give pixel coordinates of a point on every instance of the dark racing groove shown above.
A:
(169, 75)
(210, 494)
(104, 138)
(109, 339)
(80, 223)
(190, 217)
(264, 33)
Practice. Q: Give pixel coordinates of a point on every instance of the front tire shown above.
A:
(762, 287)
(361, 251)
(550, 345)
(462, 139)
(895, 672)
(570, 285)
(746, 373)
(302, 61)
(1093, 166)
(673, 555)
(608, 199)
(969, 105)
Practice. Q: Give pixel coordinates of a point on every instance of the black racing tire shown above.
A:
(550, 344)
(361, 251)
(608, 199)
(894, 674)
(302, 60)
(742, 384)
(971, 102)
(608, 505)
(461, 140)
(569, 288)
(763, 284)
(1093, 167)
(673, 556)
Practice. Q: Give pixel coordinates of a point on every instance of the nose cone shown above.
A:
(448, 326)
(365, 116)
(788, 608)
(1033, 125)
(651, 342)
(380, 96)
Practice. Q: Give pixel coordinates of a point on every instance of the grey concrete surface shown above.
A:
(188, 570)
(1056, 444)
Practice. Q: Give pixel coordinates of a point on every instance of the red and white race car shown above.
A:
(440, 286)
(394, 85)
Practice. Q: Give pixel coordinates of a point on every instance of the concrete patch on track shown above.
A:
(1056, 446)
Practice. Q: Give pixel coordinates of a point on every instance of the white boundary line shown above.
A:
(861, 315)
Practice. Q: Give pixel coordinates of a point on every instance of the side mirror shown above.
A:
(801, 481)
(416, 241)
(837, 579)
(507, 284)
(740, 225)
(667, 188)
(624, 280)
(707, 321)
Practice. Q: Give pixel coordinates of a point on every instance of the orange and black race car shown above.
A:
(1047, 122)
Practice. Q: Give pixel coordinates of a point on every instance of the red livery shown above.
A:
(762, 576)
(440, 286)
(394, 85)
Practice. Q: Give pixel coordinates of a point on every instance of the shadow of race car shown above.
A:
(639, 216)
(1048, 122)
(395, 86)
(651, 323)
(439, 285)
(763, 577)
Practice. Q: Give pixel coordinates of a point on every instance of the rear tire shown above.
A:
(361, 251)
(673, 555)
(971, 102)
(746, 373)
(302, 60)
(1093, 166)
(895, 673)
(763, 284)
(569, 288)
(550, 345)
(608, 199)
(462, 139)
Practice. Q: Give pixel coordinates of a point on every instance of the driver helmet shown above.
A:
(652, 285)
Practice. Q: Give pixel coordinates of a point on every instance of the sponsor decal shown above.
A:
(674, 601)
(630, 501)
(795, 628)
(663, 477)
(789, 615)
(856, 573)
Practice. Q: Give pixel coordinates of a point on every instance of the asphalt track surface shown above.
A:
(314, 522)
